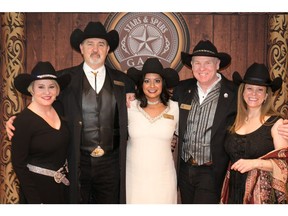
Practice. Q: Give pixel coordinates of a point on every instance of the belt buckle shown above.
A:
(58, 177)
(97, 152)
(60, 174)
(193, 162)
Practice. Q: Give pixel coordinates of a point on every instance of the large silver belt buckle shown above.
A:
(97, 152)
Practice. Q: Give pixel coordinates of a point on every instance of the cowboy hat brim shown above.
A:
(225, 59)
(22, 82)
(275, 84)
(134, 74)
(170, 75)
(78, 36)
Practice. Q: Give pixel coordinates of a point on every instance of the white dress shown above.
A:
(150, 168)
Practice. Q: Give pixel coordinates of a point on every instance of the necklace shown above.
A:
(153, 102)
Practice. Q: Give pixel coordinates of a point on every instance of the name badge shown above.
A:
(185, 106)
(168, 116)
(119, 83)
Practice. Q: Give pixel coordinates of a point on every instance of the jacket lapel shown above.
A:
(118, 87)
(226, 100)
(77, 74)
(185, 105)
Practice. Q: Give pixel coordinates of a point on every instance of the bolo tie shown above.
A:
(98, 151)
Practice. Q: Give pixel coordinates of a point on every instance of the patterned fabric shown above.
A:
(264, 187)
(199, 124)
(225, 188)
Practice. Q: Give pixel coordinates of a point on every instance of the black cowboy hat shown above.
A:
(153, 65)
(258, 74)
(42, 70)
(206, 48)
(94, 30)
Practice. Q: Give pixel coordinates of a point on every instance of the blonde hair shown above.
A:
(242, 112)
(31, 91)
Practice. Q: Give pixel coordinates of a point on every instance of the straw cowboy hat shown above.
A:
(42, 70)
(258, 74)
(206, 48)
(94, 30)
(153, 65)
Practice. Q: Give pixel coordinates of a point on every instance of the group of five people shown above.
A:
(118, 150)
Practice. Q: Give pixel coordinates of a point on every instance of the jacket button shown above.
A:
(80, 122)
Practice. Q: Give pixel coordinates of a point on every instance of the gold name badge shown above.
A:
(168, 116)
(185, 106)
(119, 83)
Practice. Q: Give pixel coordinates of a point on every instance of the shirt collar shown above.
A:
(87, 69)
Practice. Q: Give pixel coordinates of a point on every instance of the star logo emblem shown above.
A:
(144, 38)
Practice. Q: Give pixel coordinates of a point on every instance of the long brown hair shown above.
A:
(242, 112)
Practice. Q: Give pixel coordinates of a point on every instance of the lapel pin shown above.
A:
(225, 95)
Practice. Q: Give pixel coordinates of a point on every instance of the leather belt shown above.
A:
(193, 162)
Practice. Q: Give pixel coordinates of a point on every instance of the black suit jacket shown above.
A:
(224, 117)
(71, 99)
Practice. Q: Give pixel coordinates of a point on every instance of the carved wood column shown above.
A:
(278, 57)
(12, 62)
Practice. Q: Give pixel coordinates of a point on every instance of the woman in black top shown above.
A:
(252, 136)
(41, 138)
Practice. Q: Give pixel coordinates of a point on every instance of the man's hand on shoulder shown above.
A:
(9, 127)
(283, 129)
(129, 97)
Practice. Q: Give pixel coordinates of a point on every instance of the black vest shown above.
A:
(100, 118)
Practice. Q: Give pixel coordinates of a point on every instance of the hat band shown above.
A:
(46, 76)
(207, 51)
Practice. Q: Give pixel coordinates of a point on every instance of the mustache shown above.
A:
(94, 54)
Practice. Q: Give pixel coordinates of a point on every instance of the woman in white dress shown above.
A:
(152, 121)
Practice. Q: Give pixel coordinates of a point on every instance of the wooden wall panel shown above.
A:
(257, 36)
(48, 48)
(238, 44)
(242, 35)
(63, 49)
(80, 20)
(222, 36)
(34, 40)
(200, 27)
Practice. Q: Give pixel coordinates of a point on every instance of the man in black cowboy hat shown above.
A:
(207, 107)
(95, 107)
